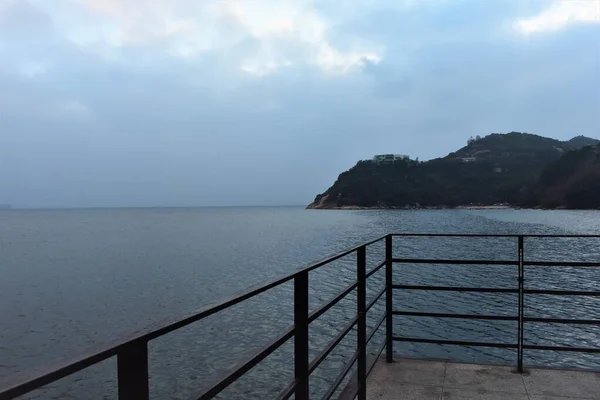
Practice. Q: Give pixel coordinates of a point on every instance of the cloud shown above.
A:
(560, 14)
(285, 33)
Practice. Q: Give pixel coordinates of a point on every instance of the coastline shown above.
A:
(463, 207)
(466, 207)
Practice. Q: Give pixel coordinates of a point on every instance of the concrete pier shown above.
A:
(409, 379)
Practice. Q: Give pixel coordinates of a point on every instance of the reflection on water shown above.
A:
(75, 278)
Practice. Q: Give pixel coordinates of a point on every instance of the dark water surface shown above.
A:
(73, 279)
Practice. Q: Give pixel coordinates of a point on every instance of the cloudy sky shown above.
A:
(252, 102)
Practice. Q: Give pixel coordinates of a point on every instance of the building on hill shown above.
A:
(389, 158)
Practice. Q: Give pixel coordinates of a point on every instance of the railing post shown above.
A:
(301, 335)
(132, 367)
(389, 331)
(361, 270)
(521, 307)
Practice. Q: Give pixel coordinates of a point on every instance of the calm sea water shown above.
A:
(73, 279)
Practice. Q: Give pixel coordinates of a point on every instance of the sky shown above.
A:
(108, 103)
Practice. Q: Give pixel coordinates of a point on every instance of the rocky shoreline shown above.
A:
(312, 206)
(467, 207)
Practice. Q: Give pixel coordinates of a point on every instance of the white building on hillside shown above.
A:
(389, 158)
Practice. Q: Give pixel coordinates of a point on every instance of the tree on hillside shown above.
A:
(473, 139)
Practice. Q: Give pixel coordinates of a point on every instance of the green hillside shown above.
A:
(573, 181)
(498, 168)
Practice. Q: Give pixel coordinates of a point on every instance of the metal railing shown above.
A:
(132, 353)
(520, 290)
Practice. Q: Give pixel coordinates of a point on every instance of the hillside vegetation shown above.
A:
(573, 181)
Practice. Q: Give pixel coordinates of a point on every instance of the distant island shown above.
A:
(499, 170)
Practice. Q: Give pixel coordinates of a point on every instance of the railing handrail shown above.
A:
(496, 235)
(49, 373)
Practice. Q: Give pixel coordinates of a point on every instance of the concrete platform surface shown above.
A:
(408, 379)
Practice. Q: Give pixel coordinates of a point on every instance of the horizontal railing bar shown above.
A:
(337, 256)
(44, 378)
(456, 289)
(215, 308)
(452, 262)
(377, 326)
(562, 321)
(455, 342)
(562, 292)
(334, 342)
(322, 310)
(372, 303)
(579, 264)
(349, 392)
(490, 235)
(460, 316)
(377, 268)
(288, 391)
(244, 366)
(340, 377)
(23, 384)
(378, 353)
(562, 348)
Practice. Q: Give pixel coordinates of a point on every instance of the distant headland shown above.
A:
(496, 171)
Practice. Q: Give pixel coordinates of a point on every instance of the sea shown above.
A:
(75, 280)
